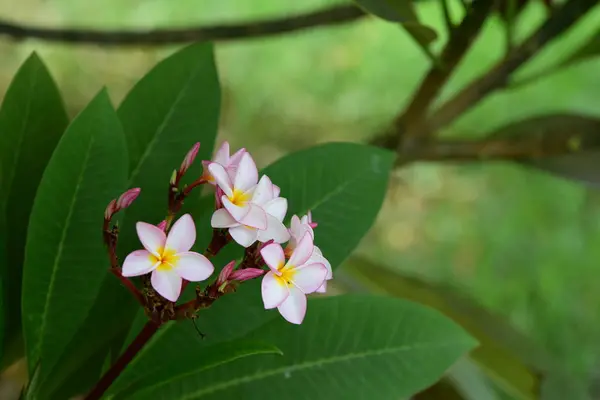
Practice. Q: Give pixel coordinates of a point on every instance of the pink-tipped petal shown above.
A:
(167, 283)
(317, 256)
(222, 155)
(247, 274)
(302, 252)
(274, 291)
(218, 172)
(323, 288)
(255, 218)
(309, 278)
(182, 235)
(293, 309)
(263, 191)
(275, 231)
(237, 212)
(246, 175)
(244, 235)
(193, 266)
(153, 238)
(222, 219)
(225, 273)
(277, 208)
(140, 262)
(276, 191)
(235, 158)
(273, 256)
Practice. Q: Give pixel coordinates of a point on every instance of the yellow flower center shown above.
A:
(287, 272)
(167, 259)
(239, 198)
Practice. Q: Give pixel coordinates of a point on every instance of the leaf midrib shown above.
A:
(309, 364)
(159, 131)
(61, 248)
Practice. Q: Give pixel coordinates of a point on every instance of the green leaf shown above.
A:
(567, 145)
(32, 119)
(348, 347)
(65, 259)
(29, 392)
(178, 362)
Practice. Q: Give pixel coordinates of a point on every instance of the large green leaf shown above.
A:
(348, 347)
(174, 364)
(65, 259)
(32, 119)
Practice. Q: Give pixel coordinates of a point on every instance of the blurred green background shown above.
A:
(524, 243)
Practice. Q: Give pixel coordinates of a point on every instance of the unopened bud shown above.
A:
(162, 225)
(127, 198)
(225, 273)
(245, 274)
(189, 159)
(110, 209)
(218, 195)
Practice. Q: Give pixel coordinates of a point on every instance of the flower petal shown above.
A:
(167, 283)
(263, 191)
(255, 218)
(277, 207)
(153, 238)
(246, 175)
(140, 262)
(222, 219)
(243, 235)
(193, 266)
(221, 177)
(317, 256)
(293, 309)
(236, 212)
(302, 252)
(273, 256)
(235, 158)
(274, 291)
(309, 278)
(182, 235)
(323, 288)
(275, 231)
(222, 155)
(276, 191)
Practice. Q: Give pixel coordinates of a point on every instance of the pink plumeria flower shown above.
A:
(230, 163)
(298, 228)
(168, 257)
(286, 285)
(274, 207)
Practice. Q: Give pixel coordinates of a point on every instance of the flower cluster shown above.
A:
(249, 211)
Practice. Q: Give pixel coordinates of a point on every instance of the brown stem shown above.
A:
(124, 359)
(130, 286)
(432, 84)
(267, 27)
(560, 21)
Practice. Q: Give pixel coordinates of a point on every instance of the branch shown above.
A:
(456, 48)
(559, 22)
(261, 28)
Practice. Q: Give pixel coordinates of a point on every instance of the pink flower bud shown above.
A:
(162, 225)
(111, 208)
(225, 273)
(189, 159)
(246, 274)
(127, 198)
(218, 194)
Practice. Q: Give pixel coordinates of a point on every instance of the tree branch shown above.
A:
(559, 22)
(454, 51)
(266, 27)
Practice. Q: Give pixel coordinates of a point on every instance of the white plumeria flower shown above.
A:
(222, 157)
(286, 285)
(244, 229)
(298, 228)
(168, 257)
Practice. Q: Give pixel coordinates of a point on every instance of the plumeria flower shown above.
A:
(230, 163)
(275, 208)
(168, 257)
(286, 285)
(298, 228)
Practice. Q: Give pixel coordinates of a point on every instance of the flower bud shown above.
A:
(162, 225)
(110, 209)
(246, 274)
(225, 273)
(189, 159)
(173, 180)
(127, 198)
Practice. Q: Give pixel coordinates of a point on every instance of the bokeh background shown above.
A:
(523, 243)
